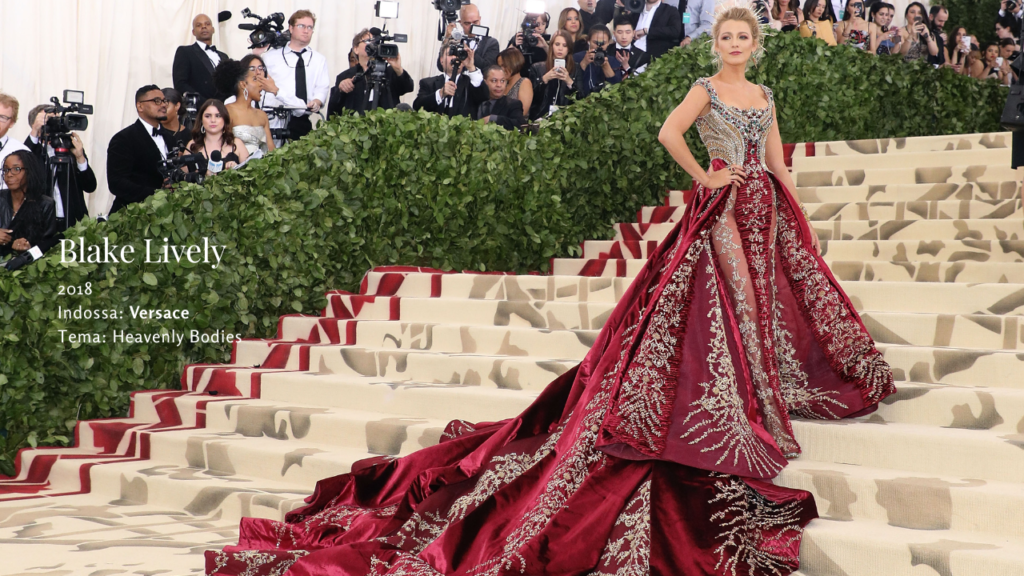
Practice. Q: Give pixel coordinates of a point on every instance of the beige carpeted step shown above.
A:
(868, 149)
(957, 366)
(976, 156)
(917, 210)
(967, 407)
(958, 174)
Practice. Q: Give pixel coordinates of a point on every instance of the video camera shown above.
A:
(450, 8)
(267, 31)
(379, 49)
(173, 168)
(57, 130)
(529, 28)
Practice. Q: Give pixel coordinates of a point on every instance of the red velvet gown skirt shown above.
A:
(654, 455)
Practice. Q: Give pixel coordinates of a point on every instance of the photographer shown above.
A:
(500, 109)
(27, 214)
(1011, 12)
(300, 75)
(8, 116)
(173, 124)
(134, 154)
(631, 59)
(349, 92)
(559, 77)
(918, 41)
(535, 50)
(658, 28)
(597, 66)
(485, 47)
(69, 181)
(457, 92)
(193, 66)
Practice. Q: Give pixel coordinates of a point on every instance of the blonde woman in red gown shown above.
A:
(655, 455)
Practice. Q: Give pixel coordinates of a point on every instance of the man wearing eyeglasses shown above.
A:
(8, 116)
(300, 75)
(193, 64)
(134, 154)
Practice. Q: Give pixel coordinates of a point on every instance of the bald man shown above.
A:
(194, 64)
(485, 47)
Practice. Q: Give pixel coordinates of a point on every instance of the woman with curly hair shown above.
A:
(243, 79)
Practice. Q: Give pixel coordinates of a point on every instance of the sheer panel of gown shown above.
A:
(654, 455)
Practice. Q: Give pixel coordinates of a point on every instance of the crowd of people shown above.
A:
(222, 112)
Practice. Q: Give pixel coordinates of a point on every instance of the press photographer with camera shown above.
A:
(70, 179)
(300, 74)
(27, 214)
(597, 67)
(484, 47)
(631, 59)
(458, 91)
(500, 109)
(174, 124)
(559, 77)
(1012, 9)
(350, 91)
(657, 28)
(193, 66)
(8, 117)
(532, 38)
(135, 153)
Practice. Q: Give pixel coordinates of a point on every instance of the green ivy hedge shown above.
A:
(408, 188)
(977, 16)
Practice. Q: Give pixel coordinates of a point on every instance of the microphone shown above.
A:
(216, 164)
(375, 32)
(35, 253)
(457, 35)
(223, 16)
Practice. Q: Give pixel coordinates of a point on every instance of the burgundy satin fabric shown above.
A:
(598, 463)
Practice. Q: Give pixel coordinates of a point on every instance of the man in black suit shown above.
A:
(193, 64)
(500, 109)
(594, 12)
(631, 59)
(134, 154)
(460, 95)
(70, 180)
(657, 28)
(485, 47)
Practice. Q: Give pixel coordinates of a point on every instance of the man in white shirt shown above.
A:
(657, 28)
(193, 66)
(8, 116)
(702, 16)
(300, 76)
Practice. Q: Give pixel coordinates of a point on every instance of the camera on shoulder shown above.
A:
(267, 31)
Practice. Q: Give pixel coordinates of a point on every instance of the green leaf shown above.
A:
(149, 278)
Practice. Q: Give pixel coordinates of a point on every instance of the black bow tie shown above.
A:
(211, 48)
(156, 132)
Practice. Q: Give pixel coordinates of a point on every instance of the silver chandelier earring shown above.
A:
(245, 94)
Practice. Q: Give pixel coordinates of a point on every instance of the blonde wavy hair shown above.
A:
(739, 11)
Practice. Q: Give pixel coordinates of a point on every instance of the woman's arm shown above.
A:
(775, 159)
(526, 96)
(241, 150)
(874, 35)
(671, 137)
(266, 130)
(933, 46)
(905, 44)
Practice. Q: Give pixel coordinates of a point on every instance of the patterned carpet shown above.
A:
(926, 235)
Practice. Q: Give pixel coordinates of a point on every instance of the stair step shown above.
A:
(899, 146)
(916, 210)
(956, 366)
(902, 499)
(959, 174)
(962, 407)
(977, 331)
(977, 156)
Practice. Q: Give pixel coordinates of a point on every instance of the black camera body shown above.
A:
(458, 50)
(450, 8)
(634, 5)
(380, 45)
(267, 31)
(56, 131)
(599, 53)
(173, 168)
(529, 32)
(189, 109)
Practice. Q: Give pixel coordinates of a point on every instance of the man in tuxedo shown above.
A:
(500, 109)
(193, 64)
(8, 117)
(299, 74)
(134, 154)
(632, 60)
(485, 47)
(70, 180)
(657, 28)
(454, 93)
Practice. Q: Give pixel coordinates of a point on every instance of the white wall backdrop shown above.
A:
(109, 48)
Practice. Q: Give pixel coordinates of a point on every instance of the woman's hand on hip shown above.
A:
(734, 174)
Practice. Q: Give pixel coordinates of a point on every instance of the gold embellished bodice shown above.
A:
(734, 135)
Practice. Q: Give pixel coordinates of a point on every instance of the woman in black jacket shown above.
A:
(556, 83)
(27, 214)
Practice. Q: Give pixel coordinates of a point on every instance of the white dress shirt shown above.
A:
(7, 146)
(56, 189)
(645, 24)
(476, 78)
(211, 54)
(158, 139)
(280, 63)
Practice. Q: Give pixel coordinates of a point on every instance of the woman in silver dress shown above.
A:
(244, 79)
